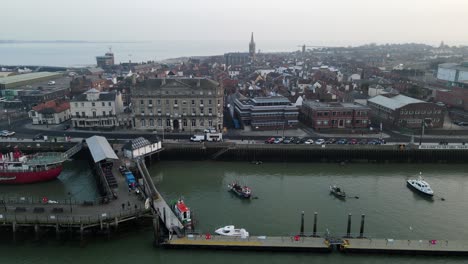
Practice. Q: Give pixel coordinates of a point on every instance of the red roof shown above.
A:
(181, 206)
(54, 105)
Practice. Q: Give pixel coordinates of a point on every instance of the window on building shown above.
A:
(193, 102)
(168, 122)
(184, 122)
(358, 122)
(76, 104)
(94, 113)
(151, 122)
(333, 113)
(202, 122)
(167, 101)
(142, 102)
(348, 121)
(103, 113)
(202, 110)
(93, 104)
(325, 113)
(83, 114)
(175, 101)
(319, 113)
(159, 111)
(110, 112)
(143, 122)
(103, 104)
(201, 102)
(319, 123)
(159, 122)
(209, 102)
(110, 103)
(159, 102)
(219, 101)
(82, 104)
(184, 102)
(364, 121)
(210, 123)
(150, 102)
(77, 114)
(210, 111)
(193, 111)
(325, 122)
(194, 122)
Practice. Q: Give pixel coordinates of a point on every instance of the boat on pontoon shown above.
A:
(231, 231)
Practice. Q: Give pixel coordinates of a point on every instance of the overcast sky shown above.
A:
(330, 22)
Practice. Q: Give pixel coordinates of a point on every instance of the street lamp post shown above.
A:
(422, 132)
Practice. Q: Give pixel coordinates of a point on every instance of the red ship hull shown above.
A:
(29, 177)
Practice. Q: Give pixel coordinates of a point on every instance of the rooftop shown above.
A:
(455, 66)
(330, 105)
(53, 106)
(394, 102)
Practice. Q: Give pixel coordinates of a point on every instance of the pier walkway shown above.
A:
(158, 204)
(285, 243)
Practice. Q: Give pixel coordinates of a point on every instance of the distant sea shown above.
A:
(84, 53)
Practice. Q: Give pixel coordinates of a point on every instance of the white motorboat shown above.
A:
(420, 185)
(230, 230)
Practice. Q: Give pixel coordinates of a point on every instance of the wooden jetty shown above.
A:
(258, 243)
(395, 246)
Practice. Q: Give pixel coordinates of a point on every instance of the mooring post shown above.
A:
(302, 224)
(315, 225)
(156, 230)
(361, 232)
(14, 231)
(81, 233)
(57, 231)
(36, 232)
(348, 230)
(164, 214)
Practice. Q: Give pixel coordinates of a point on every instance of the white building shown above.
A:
(96, 109)
(140, 147)
(453, 72)
(50, 113)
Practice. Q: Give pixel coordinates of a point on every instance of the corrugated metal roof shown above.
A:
(100, 148)
(394, 102)
(27, 77)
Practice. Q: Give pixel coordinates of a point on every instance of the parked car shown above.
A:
(66, 127)
(270, 140)
(197, 138)
(320, 141)
(209, 130)
(309, 141)
(278, 140)
(352, 141)
(7, 133)
(374, 142)
(330, 141)
(288, 140)
(342, 141)
(38, 137)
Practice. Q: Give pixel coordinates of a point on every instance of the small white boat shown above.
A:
(230, 230)
(420, 185)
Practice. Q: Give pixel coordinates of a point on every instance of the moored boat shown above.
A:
(337, 191)
(231, 231)
(18, 168)
(241, 191)
(420, 185)
(183, 213)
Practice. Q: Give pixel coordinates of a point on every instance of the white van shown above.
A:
(197, 138)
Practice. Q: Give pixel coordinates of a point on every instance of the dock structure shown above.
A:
(265, 243)
(395, 246)
(157, 202)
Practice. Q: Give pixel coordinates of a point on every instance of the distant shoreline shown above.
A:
(66, 41)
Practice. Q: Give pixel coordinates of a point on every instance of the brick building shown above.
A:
(335, 115)
(404, 111)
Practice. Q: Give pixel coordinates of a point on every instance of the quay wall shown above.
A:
(311, 153)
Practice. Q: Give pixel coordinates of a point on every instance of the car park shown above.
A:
(320, 141)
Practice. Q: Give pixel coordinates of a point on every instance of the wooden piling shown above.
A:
(348, 230)
(156, 231)
(314, 234)
(302, 224)
(361, 232)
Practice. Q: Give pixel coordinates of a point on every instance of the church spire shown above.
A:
(252, 47)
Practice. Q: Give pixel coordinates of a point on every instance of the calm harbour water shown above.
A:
(283, 190)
